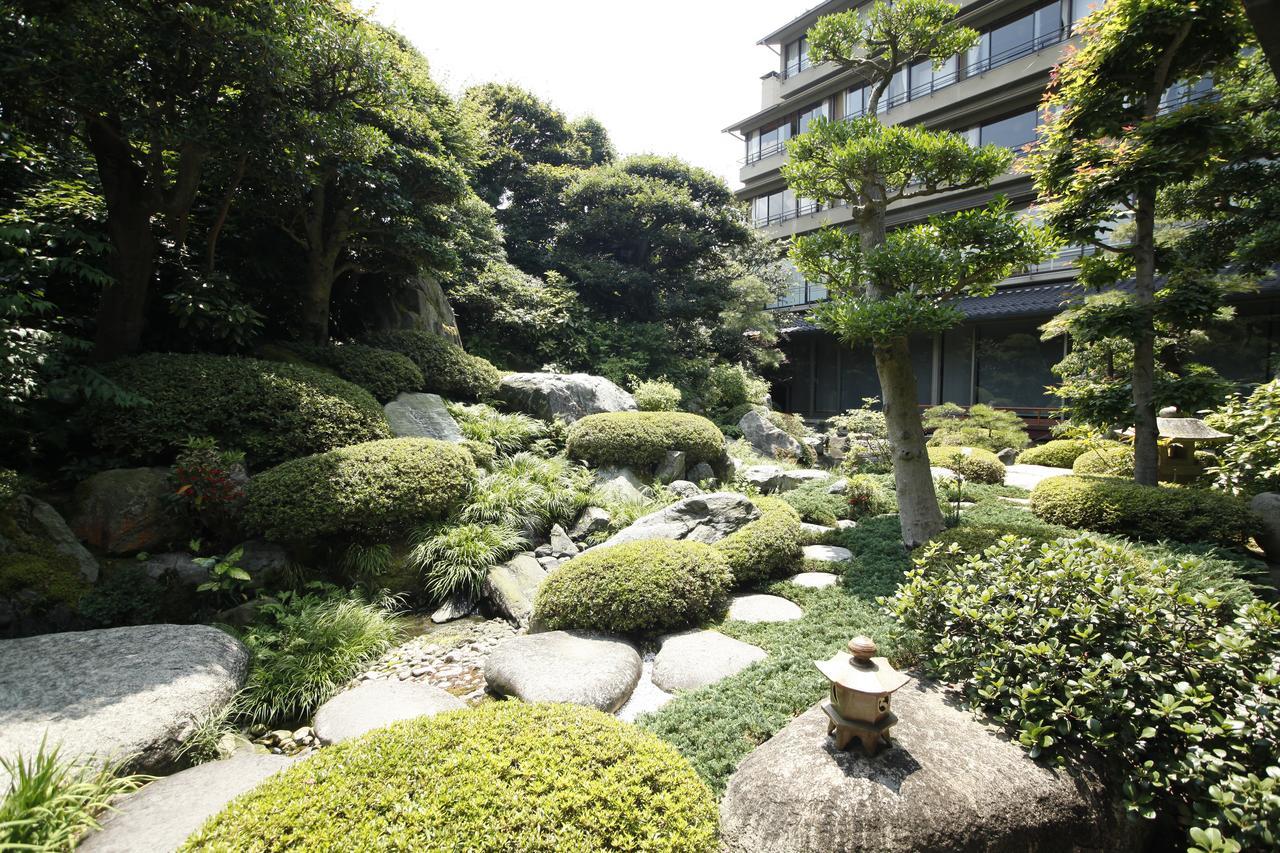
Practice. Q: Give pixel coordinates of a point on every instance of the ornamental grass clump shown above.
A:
(642, 439)
(454, 559)
(506, 433)
(1085, 645)
(505, 776)
(531, 493)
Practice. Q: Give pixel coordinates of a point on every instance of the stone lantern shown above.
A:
(1180, 439)
(861, 686)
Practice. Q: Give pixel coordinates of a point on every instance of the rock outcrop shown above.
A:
(417, 415)
(702, 518)
(567, 396)
(126, 510)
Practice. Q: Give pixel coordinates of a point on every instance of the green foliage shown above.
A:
(504, 776)
(52, 802)
(916, 29)
(506, 433)
(1110, 460)
(306, 649)
(816, 505)
(365, 490)
(979, 426)
(1056, 453)
(972, 463)
(1152, 513)
(644, 587)
(226, 578)
(51, 578)
(1250, 461)
(382, 373)
(528, 492)
(272, 412)
(655, 395)
(864, 496)
(205, 740)
(209, 483)
(1160, 678)
(730, 390)
(127, 596)
(10, 486)
(456, 558)
(764, 548)
(447, 369)
(642, 439)
(869, 447)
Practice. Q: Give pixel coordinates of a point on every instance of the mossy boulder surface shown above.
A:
(642, 439)
(374, 489)
(505, 776)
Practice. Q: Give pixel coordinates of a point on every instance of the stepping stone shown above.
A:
(694, 659)
(373, 704)
(1030, 476)
(940, 473)
(815, 580)
(763, 608)
(161, 815)
(1016, 501)
(565, 666)
(846, 524)
(814, 531)
(827, 553)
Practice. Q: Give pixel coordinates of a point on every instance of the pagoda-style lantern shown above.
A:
(861, 686)
(1179, 440)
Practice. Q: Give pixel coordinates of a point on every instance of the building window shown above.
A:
(1013, 132)
(809, 114)
(768, 140)
(855, 102)
(925, 80)
(773, 208)
(1183, 93)
(1014, 365)
(1020, 37)
(1080, 8)
(797, 57)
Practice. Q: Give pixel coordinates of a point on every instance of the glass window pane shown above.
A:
(957, 366)
(826, 375)
(1048, 24)
(1080, 8)
(1012, 132)
(976, 57)
(1014, 365)
(1012, 40)
(858, 377)
(855, 101)
(922, 366)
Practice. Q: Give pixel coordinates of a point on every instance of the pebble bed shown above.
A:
(452, 661)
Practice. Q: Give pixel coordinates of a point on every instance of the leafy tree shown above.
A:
(887, 286)
(1264, 16)
(1111, 144)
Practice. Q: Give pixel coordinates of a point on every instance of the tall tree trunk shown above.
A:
(316, 296)
(327, 218)
(1145, 429)
(1264, 15)
(122, 308)
(918, 509)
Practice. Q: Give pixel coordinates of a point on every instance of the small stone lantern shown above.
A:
(861, 686)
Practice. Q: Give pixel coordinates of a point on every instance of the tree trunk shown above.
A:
(1264, 15)
(326, 227)
(918, 509)
(1145, 430)
(315, 298)
(122, 307)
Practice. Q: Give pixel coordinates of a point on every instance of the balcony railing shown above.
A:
(803, 293)
(766, 151)
(795, 212)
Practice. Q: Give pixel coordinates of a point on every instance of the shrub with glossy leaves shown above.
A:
(1135, 662)
(1112, 460)
(1250, 461)
(972, 463)
(764, 548)
(271, 411)
(646, 587)
(1111, 505)
(372, 490)
(446, 368)
(504, 776)
(656, 395)
(642, 439)
(381, 372)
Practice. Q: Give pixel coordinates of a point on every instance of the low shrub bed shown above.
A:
(642, 439)
(648, 586)
(381, 372)
(1111, 460)
(1111, 505)
(972, 463)
(366, 490)
(766, 547)
(1060, 452)
(271, 411)
(1133, 661)
(447, 369)
(504, 776)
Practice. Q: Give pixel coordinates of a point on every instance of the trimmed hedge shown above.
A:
(1111, 505)
(366, 490)
(500, 777)
(381, 372)
(447, 368)
(1060, 452)
(972, 463)
(1115, 460)
(271, 411)
(648, 586)
(642, 439)
(766, 547)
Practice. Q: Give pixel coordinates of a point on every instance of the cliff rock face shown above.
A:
(420, 304)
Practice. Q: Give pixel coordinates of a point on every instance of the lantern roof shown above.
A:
(1186, 429)
(860, 671)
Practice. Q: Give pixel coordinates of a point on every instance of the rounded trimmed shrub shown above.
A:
(1115, 460)
(642, 439)
(766, 547)
(447, 368)
(656, 395)
(972, 463)
(1111, 505)
(503, 776)
(381, 372)
(647, 586)
(271, 411)
(366, 490)
(1059, 452)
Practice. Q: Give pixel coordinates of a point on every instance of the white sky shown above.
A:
(664, 76)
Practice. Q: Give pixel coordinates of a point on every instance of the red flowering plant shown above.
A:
(209, 483)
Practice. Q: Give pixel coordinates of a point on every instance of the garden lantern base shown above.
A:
(845, 730)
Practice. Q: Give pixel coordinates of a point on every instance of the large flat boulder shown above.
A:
(768, 440)
(763, 477)
(702, 518)
(512, 586)
(36, 518)
(797, 477)
(567, 396)
(125, 510)
(417, 415)
(948, 783)
(565, 666)
(373, 704)
(119, 693)
(1267, 507)
(158, 818)
(694, 659)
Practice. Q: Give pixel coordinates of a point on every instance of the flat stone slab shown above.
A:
(763, 608)
(1029, 476)
(158, 818)
(827, 553)
(373, 704)
(694, 659)
(565, 666)
(814, 531)
(795, 478)
(568, 396)
(815, 580)
(947, 783)
(117, 693)
(418, 415)
(846, 524)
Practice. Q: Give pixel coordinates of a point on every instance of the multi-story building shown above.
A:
(990, 94)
